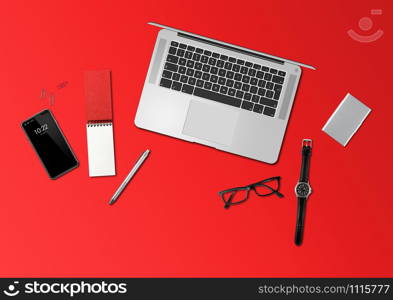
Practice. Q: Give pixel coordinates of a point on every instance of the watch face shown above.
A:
(302, 189)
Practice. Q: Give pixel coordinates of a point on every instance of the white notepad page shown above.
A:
(100, 149)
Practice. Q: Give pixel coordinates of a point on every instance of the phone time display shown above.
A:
(42, 129)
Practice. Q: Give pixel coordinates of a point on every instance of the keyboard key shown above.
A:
(206, 76)
(190, 72)
(172, 59)
(258, 108)
(180, 52)
(253, 89)
(184, 78)
(204, 59)
(257, 67)
(217, 97)
(167, 74)
(247, 105)
(208, 85)
(216, 87)
(165, 82)
(245, 87)
(255, 98)
(196, 57)
(273, 71)
(228, 66)
(248, 64)
(187, 89)
(252, 72)
(224, 57)
(182, 70)
(278, 87)
(183, 46)
(199, 50)
(207, 53)
(230, 74)
(188, 55)
(232, 59)
(239, 94)
(245, 79)
(199, 83)
(269, 85)
(240, 62)
(172, 50)
(198, 74)
(214, 78)
(206, 68)
(243, 70)
(231, 92)
(262, 83)
(221, 80)
(212, 61)
(190, 48)
(175, 44)
(223, 90)
(261, 92)
(247, 96)
(176, 86)
(267, 76)
(236, 68)
(281, 73)
(254, 81)
(269, 111)
(222, 72)
(276, 95)
(198, 66)
(220, 63)
(269, 94)
(216, 55)
(265, 69)
(268, 102)
(182, 61)
(238, 77)
(278, 79)
(237, 85)
(170, 67)
(229, 83)
(260, 74)
(176, 76)
(214, 70)
(190, 63)
(191, 81)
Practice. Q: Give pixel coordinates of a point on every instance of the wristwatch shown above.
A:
(303, 190)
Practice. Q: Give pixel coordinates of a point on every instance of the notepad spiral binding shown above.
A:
(99, 123)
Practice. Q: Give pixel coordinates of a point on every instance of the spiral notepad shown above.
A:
(99, 127)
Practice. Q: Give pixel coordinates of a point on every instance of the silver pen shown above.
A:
(129, 176)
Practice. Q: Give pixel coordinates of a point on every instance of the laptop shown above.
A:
(217, 94)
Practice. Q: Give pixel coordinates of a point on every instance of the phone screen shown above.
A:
(50, 144)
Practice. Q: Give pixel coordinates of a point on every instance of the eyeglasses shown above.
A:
(262, 188)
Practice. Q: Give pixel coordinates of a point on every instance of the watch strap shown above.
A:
(305, 168)
(301, 211)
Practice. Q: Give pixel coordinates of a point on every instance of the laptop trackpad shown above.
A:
(211, 122)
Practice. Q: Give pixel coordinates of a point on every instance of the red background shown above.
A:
(170, 220)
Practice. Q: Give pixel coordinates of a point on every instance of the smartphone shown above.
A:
(50, 144)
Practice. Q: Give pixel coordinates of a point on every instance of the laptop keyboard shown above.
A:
(222, 78)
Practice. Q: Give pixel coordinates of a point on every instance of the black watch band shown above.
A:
(301, 201)
(306, 154)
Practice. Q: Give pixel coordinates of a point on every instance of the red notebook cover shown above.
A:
(98, 95)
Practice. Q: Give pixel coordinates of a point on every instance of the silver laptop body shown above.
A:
(193, 91)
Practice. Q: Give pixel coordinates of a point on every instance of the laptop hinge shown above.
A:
(261, 56)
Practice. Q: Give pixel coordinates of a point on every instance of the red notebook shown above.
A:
(99, 127)
(98, 95)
